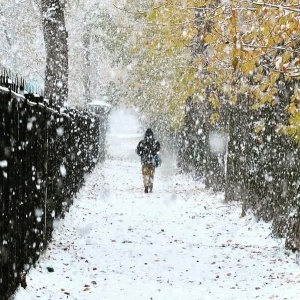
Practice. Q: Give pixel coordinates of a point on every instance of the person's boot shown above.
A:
(146, 189)
(150, 188)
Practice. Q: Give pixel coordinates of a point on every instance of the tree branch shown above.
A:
(277, 6)
(141, 12)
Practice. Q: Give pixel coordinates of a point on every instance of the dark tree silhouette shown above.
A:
(56, 43)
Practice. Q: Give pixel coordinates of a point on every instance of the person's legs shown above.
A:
(146, 178)
(151, 177)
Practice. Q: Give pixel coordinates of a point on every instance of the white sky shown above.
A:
(180, 242)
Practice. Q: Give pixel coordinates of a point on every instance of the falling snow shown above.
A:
(180, 242)
(219, 86)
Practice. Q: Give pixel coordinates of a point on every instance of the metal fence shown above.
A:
(44, 154)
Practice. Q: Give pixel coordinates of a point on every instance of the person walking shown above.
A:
(148, 149)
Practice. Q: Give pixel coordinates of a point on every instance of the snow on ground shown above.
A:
(180, 242)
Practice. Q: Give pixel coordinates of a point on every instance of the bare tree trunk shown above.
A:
(87, 56)
(55, 36)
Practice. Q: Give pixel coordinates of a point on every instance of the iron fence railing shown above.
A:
(44, 154)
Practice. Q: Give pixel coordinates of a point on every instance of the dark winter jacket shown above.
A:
(148, 148)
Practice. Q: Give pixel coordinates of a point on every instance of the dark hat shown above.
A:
(149, 131)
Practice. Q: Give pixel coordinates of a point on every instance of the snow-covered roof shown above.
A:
(99, 103)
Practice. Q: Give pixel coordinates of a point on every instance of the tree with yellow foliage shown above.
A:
(239, 63)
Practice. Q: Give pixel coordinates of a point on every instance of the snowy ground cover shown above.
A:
(180, 242)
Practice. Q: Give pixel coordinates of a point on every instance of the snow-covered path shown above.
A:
(180, 242)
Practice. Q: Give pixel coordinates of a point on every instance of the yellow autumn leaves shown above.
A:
(234, 45)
